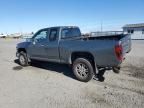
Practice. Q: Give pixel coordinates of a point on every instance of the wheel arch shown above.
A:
(83, 54)
(21, 49)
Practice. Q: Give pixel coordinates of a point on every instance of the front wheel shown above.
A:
(83, 69)
(23, 60)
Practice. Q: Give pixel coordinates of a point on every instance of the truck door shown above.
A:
(36, 49)
(52, 47)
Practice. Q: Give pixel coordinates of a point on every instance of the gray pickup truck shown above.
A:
(86, 55)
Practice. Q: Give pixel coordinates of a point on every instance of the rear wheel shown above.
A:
(23, 60)
(83, 69)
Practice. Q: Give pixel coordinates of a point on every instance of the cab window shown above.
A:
(53, 36)
(70, 32)
(41, 36)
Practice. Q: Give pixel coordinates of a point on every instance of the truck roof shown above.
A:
(62, 27)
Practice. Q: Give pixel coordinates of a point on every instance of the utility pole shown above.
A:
(101, 26)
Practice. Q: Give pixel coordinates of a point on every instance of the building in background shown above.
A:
(16, 35)
(136, 30)
(3, 35)
(27, 35)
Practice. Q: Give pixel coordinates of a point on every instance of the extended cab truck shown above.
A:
(66, 45)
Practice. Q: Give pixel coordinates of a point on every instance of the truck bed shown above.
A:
(125, 39)
(102, 46)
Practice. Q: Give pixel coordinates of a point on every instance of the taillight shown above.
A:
(119, 52)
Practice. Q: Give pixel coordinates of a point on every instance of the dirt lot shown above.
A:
(47, 85)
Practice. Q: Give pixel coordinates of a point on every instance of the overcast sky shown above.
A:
(31, 15)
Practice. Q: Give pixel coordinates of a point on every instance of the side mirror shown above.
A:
(34, 41)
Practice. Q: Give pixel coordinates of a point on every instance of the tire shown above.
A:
(23, 60)
(83, 69)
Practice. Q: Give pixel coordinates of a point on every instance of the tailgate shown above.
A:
(126, 43)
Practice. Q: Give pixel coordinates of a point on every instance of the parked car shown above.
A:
(86, 55)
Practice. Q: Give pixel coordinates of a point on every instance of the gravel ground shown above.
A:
(48, 85)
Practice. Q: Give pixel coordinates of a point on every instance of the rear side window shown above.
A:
(70, 32)
(53, 35)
